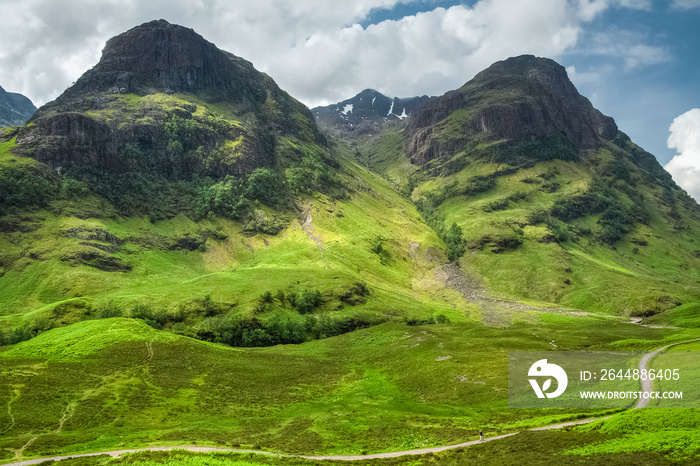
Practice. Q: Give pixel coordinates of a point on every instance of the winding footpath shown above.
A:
(645, 384)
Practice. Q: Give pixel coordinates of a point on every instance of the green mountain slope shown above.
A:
(555, 204)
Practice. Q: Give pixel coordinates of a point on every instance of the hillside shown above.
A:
(15, 109)
(554, 202)
(189, 190)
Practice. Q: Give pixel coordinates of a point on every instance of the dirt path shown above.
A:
(646, 386)
(117, 453)
(67, 414)
(395, 454)
(14, 397)
(149, 351)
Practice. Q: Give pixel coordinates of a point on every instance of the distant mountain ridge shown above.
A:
(15, 109)
(366, 111)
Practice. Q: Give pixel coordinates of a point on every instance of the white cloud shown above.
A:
(315, 49)
(430, 52)
(685, 4)
(589, 9)
(630, 47)
(583, 78)
(685, 138)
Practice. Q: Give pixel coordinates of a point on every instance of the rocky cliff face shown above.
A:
(366, 112)
(15, 109)
(158, 92)
(518, 100)
(163, 57)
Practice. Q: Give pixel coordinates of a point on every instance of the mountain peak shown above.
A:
(161, 92)
(158, 56)
(513, 101)
(366, 111)
(536, 71)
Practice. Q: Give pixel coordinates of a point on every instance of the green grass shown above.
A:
(84, 340)
(670, 433)
(118, 382)
(687, 315)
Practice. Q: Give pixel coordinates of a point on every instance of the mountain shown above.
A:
(173, 175)
(165, 105)
(512, 102)
(554, 202)
(15, 109)
(365, 112)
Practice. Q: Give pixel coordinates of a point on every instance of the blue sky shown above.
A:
(636, 60)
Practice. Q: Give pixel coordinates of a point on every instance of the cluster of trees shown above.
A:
(616, 219)
(438, 319)
(25, 332)
(452, 236)
(24, 186)
(232, 196)
(252, 331)
(303, 301)
(502, 204)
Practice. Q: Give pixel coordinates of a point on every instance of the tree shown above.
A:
(454, 242)
(264, 186)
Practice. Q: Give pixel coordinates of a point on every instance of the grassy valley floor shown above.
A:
(117, 383)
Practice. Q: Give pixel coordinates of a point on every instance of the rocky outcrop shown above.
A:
(15, 109)
(515, 100)
(71, 138)
(161, 57)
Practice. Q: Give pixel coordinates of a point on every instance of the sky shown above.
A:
(636, 60)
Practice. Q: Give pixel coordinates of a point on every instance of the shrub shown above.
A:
(498, 204)
(109, 311)
(71, 187)
(377, 247)
(308, 171)
(306, 301)
(537, 217)
(26, 187)
(355, 295)
(153, 318)
(243, 331)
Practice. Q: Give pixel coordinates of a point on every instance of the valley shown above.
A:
(188, 258)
